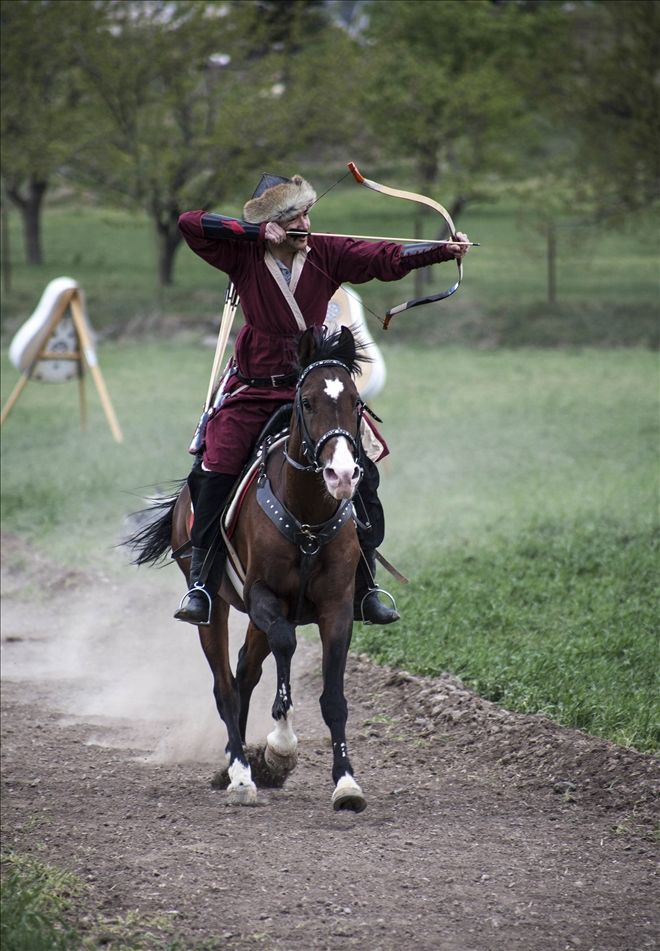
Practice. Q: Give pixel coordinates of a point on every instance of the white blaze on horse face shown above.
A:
(333, 388)
(341, 474)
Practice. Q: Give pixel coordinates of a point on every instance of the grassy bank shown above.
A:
(521, 500)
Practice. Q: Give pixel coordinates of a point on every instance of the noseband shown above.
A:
(310, 449)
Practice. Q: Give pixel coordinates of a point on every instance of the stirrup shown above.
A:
(201, 589)
(371, 591)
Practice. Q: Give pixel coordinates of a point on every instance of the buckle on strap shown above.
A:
(274, 382)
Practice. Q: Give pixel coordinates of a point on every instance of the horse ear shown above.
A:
(307, 347)
(347, 345)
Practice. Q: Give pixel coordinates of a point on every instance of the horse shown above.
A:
(296, 539)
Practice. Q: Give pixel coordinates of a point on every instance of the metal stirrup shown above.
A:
(199, 587)
(380, 591)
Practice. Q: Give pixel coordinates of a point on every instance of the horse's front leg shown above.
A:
(267, 613)
(336, 628)
(215, 643)
(249, 668)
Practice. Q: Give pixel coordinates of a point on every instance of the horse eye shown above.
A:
(305, 402)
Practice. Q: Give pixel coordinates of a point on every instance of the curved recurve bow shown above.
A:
(422, 200)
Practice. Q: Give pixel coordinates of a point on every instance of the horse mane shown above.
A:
(341, 345)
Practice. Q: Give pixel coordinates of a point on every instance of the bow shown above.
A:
(422, 200)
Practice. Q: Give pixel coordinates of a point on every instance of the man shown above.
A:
(285, 282)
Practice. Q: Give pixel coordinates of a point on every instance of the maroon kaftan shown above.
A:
(267, 344)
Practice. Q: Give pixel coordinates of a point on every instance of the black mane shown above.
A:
(319, 344)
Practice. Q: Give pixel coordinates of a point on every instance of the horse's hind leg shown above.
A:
(215, 642)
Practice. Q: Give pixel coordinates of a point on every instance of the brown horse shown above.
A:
(296, 541)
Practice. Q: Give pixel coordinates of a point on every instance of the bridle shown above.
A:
(311, 449)
(310, 539)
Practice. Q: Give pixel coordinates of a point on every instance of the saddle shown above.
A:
(272, 437)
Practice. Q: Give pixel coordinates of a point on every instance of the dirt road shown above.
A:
(485, 830)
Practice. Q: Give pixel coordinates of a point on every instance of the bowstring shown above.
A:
(318, 267)
(350, 292)
(334, 185)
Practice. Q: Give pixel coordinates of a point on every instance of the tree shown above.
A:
(616, 103)
(169, 120)
(446, 90)
(212, 95)
(41, 91)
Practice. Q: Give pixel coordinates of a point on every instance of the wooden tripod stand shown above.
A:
(84, 355)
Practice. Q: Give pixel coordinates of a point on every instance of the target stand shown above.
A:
(55, 345)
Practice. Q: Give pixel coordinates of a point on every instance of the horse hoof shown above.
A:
(242, 795)
(348, 797)
(241, 790)
(280, 763)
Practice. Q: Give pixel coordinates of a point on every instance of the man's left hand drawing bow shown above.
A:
(437, 207)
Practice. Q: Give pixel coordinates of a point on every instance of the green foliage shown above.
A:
(35, 901)
(42, 121)
(470, 95)
(485, 76)
(617, 112)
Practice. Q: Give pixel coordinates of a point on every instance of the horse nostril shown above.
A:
(330, 474)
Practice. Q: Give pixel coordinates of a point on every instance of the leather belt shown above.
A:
(269, 382)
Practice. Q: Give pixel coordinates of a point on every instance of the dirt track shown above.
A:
(484, 830)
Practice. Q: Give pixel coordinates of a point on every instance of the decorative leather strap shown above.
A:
(309, 538)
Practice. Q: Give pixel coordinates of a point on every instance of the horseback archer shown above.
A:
(284, 276)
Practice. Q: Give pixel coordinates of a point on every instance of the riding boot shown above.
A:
(209, 492)
(366, 606)
(197, 609)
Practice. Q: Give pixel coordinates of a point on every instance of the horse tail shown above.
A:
(152, 539)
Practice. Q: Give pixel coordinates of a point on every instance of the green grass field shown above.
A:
(521, 499)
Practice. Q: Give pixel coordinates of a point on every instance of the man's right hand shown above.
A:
(275, 233)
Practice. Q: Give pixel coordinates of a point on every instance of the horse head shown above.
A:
(328, 409)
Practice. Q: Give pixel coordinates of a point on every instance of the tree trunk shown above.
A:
(6, 251)
(552, 262)
(29, 206)
(169, 237)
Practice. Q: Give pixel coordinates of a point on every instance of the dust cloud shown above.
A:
(110, 653)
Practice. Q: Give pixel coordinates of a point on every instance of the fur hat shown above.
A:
(281, 201)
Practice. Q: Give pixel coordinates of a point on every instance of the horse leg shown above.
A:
(266, 613)
(249, 669)
(347, 794)
(215, 643)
